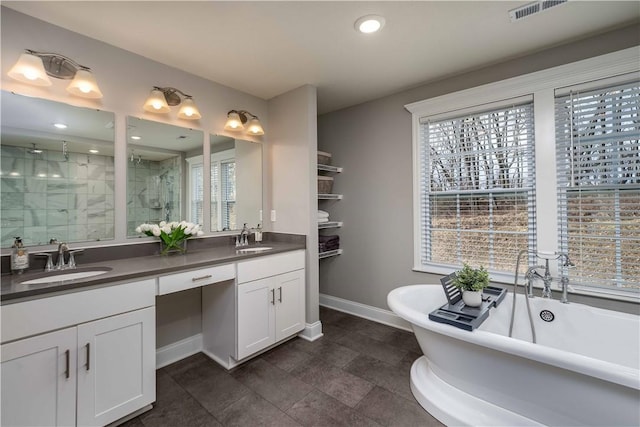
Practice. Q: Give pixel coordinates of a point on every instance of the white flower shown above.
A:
(166, 229)
(155, 230)
(200, 233)
(162, 223)
(138, 230)
(187, 231)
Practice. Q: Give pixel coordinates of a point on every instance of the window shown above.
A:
(598, 166)
(477, 188)
(586, 122)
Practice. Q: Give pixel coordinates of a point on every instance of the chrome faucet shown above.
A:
(62, 248)
(564, 282)
(244, 235)
(532, 273)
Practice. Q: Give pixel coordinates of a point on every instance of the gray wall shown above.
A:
(373, 143)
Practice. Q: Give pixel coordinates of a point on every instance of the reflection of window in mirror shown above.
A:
(223, 191)
(236, 183)
(195, 190)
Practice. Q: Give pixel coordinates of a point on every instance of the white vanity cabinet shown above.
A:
(95, 368)
(38, 386)
(263, 307)
(270, 308)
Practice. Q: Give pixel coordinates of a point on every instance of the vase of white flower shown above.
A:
(173, 235)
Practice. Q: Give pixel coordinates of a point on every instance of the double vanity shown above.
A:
(83, 351)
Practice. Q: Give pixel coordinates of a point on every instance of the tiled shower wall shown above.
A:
(153, 190)
(45, 196)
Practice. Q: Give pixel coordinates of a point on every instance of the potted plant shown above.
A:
(173, 235)
(471, 281)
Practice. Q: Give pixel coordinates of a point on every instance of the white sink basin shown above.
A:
(253, 250)
(60, 276)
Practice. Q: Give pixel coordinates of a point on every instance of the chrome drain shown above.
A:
(547, 316)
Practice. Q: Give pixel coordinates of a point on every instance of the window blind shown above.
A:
(215, 196)
(228, 189)
(197, 193)
(598, 169)
(477, 188)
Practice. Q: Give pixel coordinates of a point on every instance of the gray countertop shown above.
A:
(132, 268)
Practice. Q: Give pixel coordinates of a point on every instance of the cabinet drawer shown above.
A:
(270, 266)
(33, 317)
(195, 278)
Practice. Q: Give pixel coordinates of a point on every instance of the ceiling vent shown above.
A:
(533, 8)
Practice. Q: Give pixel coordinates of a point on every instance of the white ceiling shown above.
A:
(267, 48)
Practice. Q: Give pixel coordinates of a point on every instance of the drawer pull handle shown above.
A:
(280, 298)
(88, 356)
(273, 296)
(67, 355)
(195, 279)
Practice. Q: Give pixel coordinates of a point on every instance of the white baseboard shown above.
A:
(312, 331)
(226, 363)
(376, 314)
(178, 350)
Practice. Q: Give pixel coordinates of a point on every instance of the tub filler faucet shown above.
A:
(546, 279)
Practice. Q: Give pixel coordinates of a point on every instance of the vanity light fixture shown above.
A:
(236, 120)
(36, 67)
(60, 125)
(162, 97)
(369, 24)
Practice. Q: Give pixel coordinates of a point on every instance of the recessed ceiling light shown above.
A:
(60, 125)
(369, 24)
(94, 151)
(136, 137)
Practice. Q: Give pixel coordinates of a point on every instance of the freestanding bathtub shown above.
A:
(584, 369)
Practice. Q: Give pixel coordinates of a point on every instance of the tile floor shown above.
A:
(357, 374)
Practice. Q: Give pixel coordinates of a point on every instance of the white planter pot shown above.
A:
(472, 298)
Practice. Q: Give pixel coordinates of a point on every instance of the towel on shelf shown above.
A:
(323, 216)
(328, 243)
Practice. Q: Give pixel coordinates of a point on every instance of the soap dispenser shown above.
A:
(19, 257)
(258, 234)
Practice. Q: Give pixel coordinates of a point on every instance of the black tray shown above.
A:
(456, 313)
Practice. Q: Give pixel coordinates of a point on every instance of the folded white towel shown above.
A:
(320, 220)
(323, 214)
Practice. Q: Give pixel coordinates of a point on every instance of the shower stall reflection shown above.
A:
(154, 186)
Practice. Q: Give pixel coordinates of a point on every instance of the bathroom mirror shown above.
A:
(57, 172)
(236, 183)
(159, 179)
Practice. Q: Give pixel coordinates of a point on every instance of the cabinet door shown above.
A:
(290, 304)
(256, 330)
(116, 366)
(39, 380)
